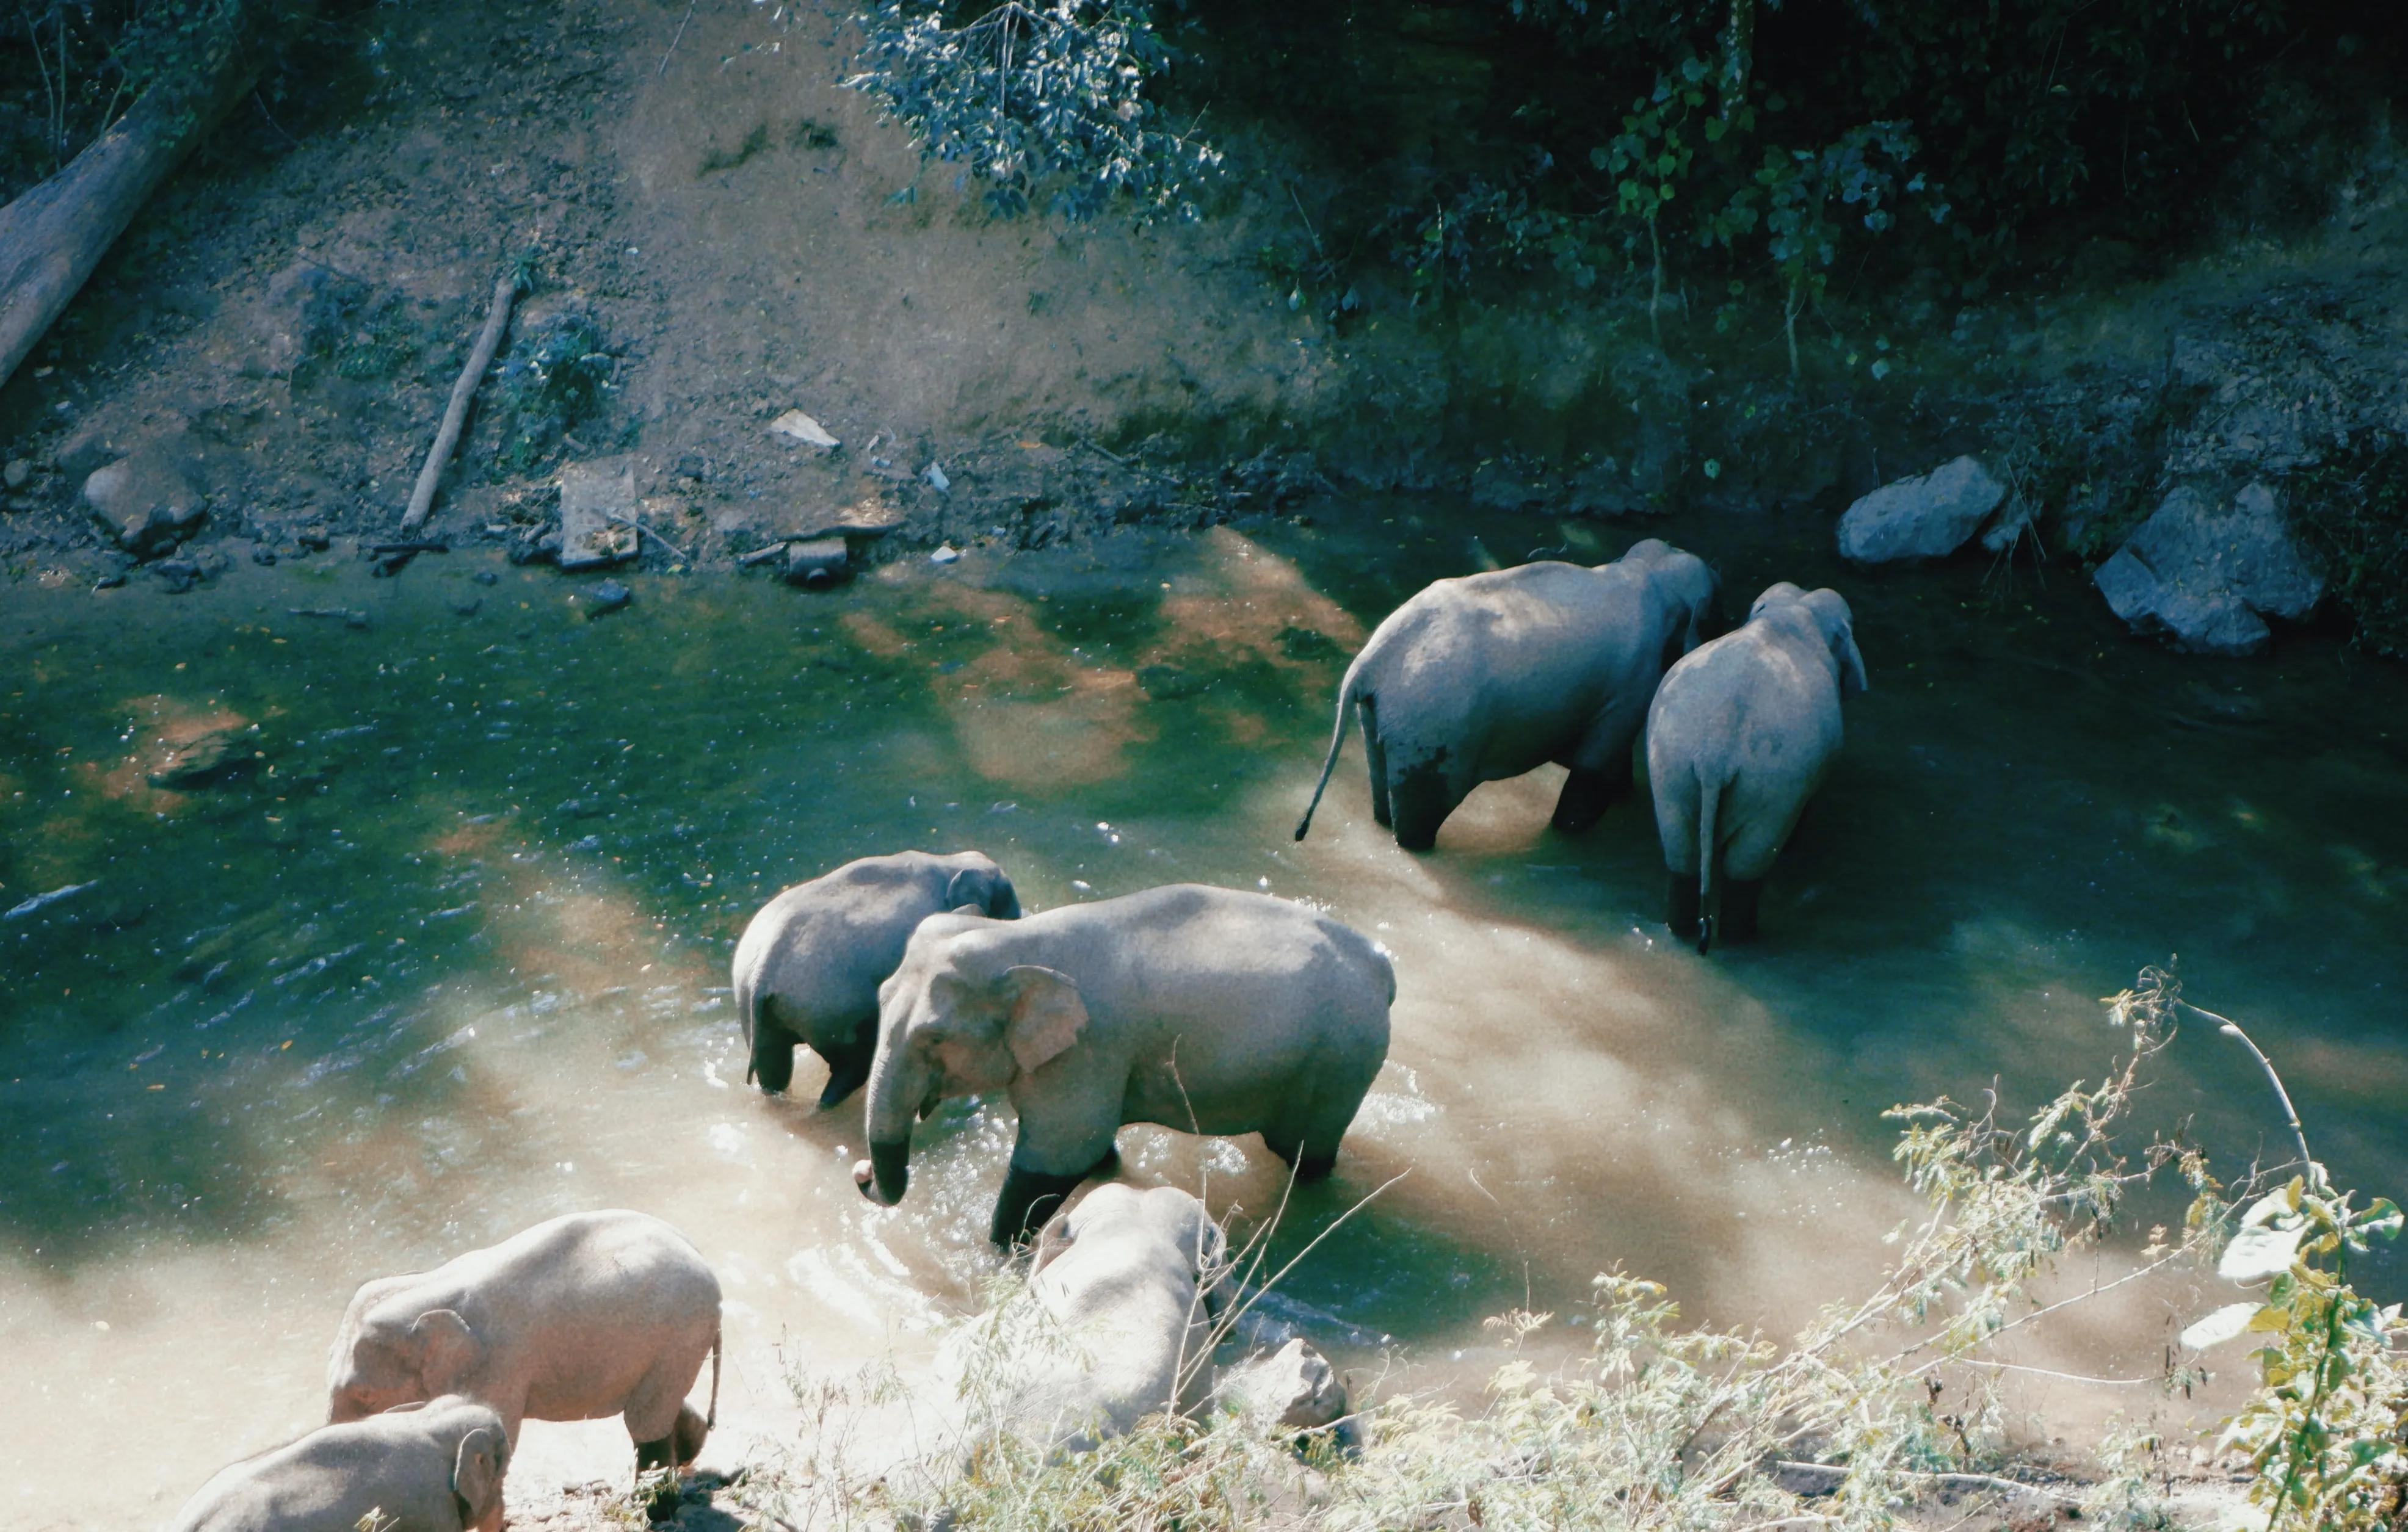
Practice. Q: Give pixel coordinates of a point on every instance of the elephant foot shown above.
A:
(845, 1076)
(1030, 1197)
(1739, 898)
(652, 1455)
(1310, 1167)
(1586, 796)
(1682, 909)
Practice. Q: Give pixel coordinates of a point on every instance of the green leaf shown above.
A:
(1715, 128)
(2259, 1251)
(2226, 1322)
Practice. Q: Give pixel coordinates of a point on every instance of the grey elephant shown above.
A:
(432, 1466)
(1489, 676)
(1740, 735)
(809, 966)
(1206, 1010)
(588, 1315)
(1126, 1293)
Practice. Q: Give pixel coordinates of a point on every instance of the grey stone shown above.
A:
(1925, 517)
(16, 473)
(144, 501)
(2205, 577)
(608, 597)
(817, 563)
(597, 501)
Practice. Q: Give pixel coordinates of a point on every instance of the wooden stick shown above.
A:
(497, 319)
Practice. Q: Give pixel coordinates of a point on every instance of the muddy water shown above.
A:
(455, 960)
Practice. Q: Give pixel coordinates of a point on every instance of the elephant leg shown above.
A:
(650, 1455)
(1586, 796)
(1737, 918)
(1376, 757)
(1420, 799)
(1029, 1198)
(848, 1067)
(1681, 910)
(773, 1055)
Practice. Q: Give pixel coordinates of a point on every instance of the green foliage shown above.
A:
(2353, 510)
(553, 380)
(1028, 100)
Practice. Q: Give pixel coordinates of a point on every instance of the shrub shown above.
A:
(553, 380)
(2353, 510)
(1027, 100)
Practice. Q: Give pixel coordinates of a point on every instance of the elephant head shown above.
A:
(1827, 611)
(954, 1019)
(982, 887)
(392, 1356)
(1687, 591)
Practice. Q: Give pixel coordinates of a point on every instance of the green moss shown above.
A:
(553, 380)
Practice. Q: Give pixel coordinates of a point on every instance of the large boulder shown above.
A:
(145, 501)
(2205, 577)
(1927, 516)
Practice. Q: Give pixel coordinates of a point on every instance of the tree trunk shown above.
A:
(54, 235)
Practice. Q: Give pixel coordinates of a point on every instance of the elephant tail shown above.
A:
(718, 1350)
(747, 1006)
(1710, 798)
(1337, 742)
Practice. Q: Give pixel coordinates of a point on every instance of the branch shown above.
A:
(2290, 1113)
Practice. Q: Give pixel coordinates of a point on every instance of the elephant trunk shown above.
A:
(887, 1173)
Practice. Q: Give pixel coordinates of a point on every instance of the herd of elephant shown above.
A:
(1204, 1009)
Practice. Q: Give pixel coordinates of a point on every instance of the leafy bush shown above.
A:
(553, 380)
(1026, 99)
(2353, 509)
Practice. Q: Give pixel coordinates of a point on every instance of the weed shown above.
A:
(553, 380)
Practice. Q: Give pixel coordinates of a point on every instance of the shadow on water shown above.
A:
(451, 956)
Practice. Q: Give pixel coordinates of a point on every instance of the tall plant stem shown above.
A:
(2231, 1029)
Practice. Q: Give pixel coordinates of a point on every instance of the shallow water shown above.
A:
(457, 960)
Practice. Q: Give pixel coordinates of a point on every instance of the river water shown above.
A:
(457, 960)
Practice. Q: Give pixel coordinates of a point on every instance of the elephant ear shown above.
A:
(1047, 1014)
(447, 1350)
(1779, 594)
(963, 893)
(1839, 625)
(477, 1476)
(1054, 1239)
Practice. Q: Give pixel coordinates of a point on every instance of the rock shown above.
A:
(109, 581)
(608, 597)
(1169, 683)
(313, 539)
(145, 502)
(208, 759)
(796, 426)
(177, 575)
(1505, 484)
(2205, 577)
(818, 564)
(597, 499)
(1927, 516)
(15, 475)
(535, 545)
(485, 576)
(466, 606)
(945, 553)
(262, 555)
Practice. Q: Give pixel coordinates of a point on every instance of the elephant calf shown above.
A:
(1124, 1293)
(809, 964)
(435, 1466)
(1206, 1010)
(1740, 735)
(1489, 676)
(592, 1314)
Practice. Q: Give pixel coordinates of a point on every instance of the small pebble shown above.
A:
(485, 577)
(608, 597)
(946, 553)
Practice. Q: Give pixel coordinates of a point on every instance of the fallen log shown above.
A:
(455, 414)
(53, 236)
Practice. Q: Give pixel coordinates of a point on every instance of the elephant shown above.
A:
(1489, 676)
(1126, 1292)
(809, 964)
(434, 1465)
(1740, 735)
(587, 1315)
(1203, 1008)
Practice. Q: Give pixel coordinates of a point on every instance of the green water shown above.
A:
(453, 958)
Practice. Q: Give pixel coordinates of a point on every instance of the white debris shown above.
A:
(802, 428)
(945, 553)
(937, 480)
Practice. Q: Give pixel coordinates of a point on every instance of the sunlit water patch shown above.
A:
(438, 947)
